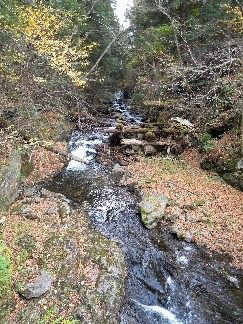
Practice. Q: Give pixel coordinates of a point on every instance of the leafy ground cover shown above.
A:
(42, 231)
(202, 207)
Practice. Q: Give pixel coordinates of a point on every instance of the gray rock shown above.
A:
(239, 166)
(29, 192)
(176, 231)
(64, 210)
(140, 136)
(37, 199)
(45, 193)
(234, 281)
(50, 211)
(10, 178)
(235, 179)
(3, 220)
(188, 237)
(117, 168)
(39, 287)
(26, 209)
(152, 209)
(149, 150)
(129, 151)
(171, 184)
(173, 217)
(136, 148)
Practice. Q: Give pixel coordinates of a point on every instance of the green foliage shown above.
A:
(226, 95)
(6, 269)
(137, 98)
(206, 142)
(52, 313)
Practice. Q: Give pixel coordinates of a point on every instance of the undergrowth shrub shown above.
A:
(206, 142)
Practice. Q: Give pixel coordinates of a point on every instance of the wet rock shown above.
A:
(152, 209)
(39, 287)
(234, 282)
(149, 150)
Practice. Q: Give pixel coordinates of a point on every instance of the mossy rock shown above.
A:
(235, 179)
(177, 130)
(10, 178)
(152, 209)
(221, 165)
(46, 126)
(150, 136)
(27, 166)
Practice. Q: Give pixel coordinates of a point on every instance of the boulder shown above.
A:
(149, 150)
(10, 178)
(39, 287)
(152, 209)
(235, 179)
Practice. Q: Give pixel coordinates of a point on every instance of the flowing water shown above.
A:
(169, 281)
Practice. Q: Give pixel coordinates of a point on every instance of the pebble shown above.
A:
(3, 220)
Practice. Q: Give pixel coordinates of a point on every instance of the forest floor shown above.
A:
(36, 218)
(202, 207)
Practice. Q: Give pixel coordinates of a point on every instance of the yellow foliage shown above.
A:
(236, 23)
(41, 27)
(10, 59)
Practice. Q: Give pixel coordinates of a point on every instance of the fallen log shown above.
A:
(136, 142)
(134, 130)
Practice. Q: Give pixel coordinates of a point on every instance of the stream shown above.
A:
(168, 281)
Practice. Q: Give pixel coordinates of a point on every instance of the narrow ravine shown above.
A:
(168, 281)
